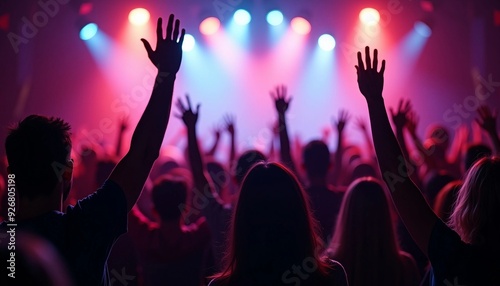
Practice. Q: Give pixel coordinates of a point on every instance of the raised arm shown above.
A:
(119, 141)
(282, 102)
(340, 124)
(401, 117)
(231, 129)
(409, 201)
(132, 171)
(216, 131)
(488, 122)
(200, 180)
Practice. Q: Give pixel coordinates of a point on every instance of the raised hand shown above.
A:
(487, 119)
(342, 120)
(167, 55)
(188, 116)
(217, 130)
(229, 120)
(361, 124)
(281, 100)
(412, 122)
(400, 117)
(370, 81)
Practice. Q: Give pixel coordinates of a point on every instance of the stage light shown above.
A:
(88, 31)
(326, 42)
(274, 18)
(209, 26)
(188, 43)
(85, 8)
(422, 29)
(369, 16)
(138, 16)
(242, 17)
(300, 25)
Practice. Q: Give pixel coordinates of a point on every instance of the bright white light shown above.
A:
(326, 42)
(138, 16)
(423, 29)
(369, 16)
(209, 26)
(300, 25)
(242, 17)
(188, 43)
(274, 18)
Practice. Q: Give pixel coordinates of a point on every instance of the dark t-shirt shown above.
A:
(457, 263)
(84, 234)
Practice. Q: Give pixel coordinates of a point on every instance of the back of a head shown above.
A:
(476, 215)
(245, 162)
(434, 184)
(38, 149)
(474, 153)
(272, 223)
(316, 158)
(445, 200)
(169, 196)
(363, 169)
(218, 174)
(365, 240)
(365, 218)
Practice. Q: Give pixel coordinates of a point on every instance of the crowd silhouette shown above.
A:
(423, 212)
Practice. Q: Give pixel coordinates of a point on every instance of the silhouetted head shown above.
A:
(439, 135)
(363, 169)
(445, 200)
(272, 226)
(474, 153)
(365, 217)
(169, 196)
(38, 151)
(434, 184)
(476, 215)
(316, 159)
(245, 162)
(218, 174)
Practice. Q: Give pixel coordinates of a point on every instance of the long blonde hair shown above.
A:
(476, 215)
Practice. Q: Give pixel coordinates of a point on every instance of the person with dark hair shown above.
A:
(325, 199)
(365, 240)
(169, 251)
(273, 239)
(465, 251)
(205, 199)
(38, 151)
(475, 152)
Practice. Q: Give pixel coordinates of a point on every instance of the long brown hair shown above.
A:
(365, 240)
(272, 229)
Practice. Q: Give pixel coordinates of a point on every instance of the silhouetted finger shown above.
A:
(181, 40)
(382, 69)
(375, 59)
(170, 26)
(176, 30)
(159, 30)
(361, 65)
(188, 102)
(367, 58)
(149, 50)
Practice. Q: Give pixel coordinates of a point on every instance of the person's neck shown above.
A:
(30, 208)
